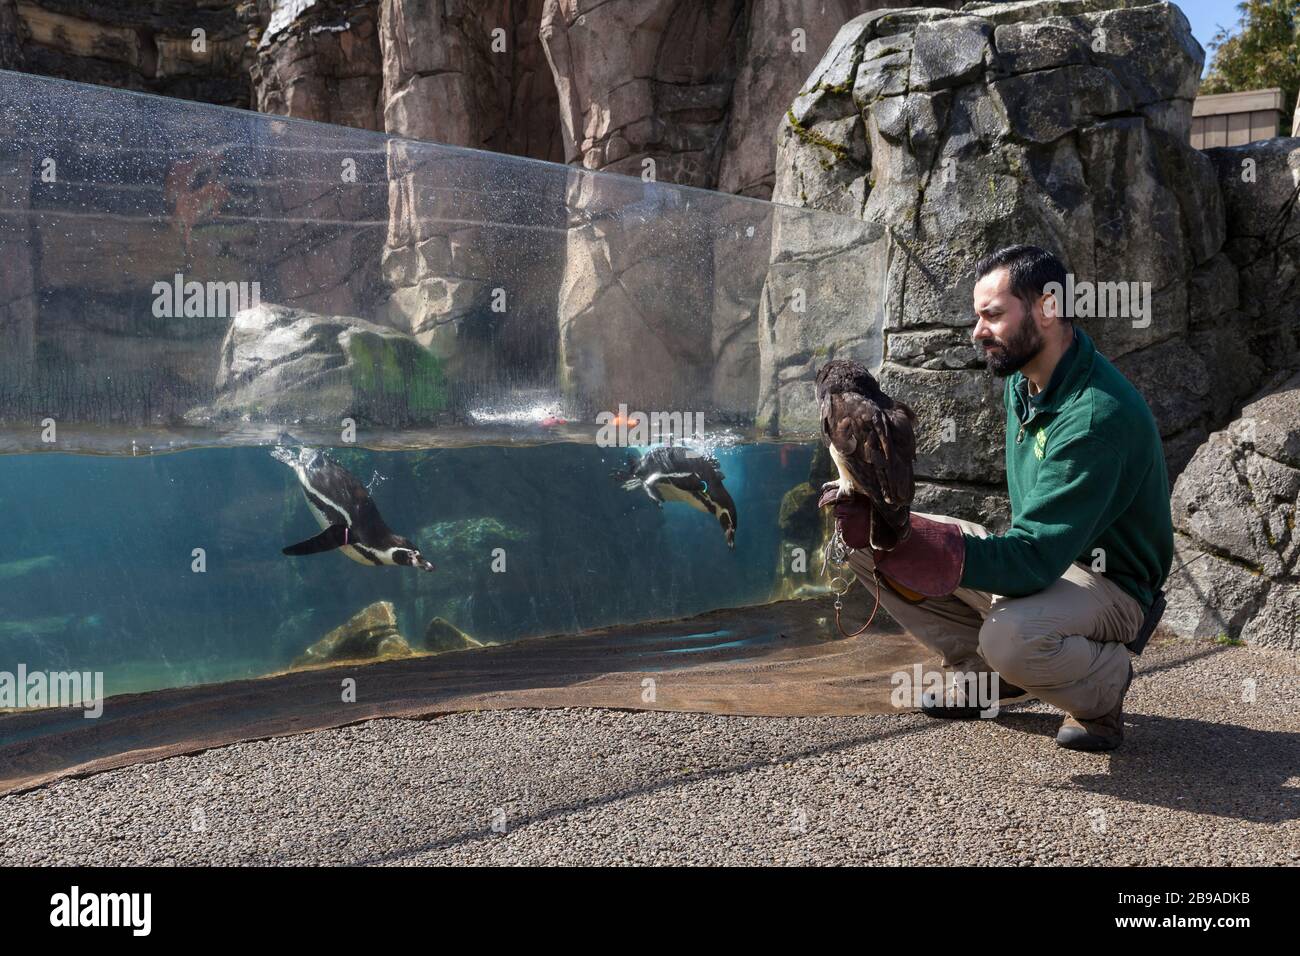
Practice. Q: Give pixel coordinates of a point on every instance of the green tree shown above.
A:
(1264, 51)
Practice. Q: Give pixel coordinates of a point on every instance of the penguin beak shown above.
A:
(426, 565)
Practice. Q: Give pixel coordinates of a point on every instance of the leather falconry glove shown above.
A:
(928, 562)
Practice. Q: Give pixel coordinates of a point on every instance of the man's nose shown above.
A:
(981, 330)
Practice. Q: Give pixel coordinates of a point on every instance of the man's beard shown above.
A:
(1015, 353)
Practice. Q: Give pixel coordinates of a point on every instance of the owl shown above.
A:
(872, 442)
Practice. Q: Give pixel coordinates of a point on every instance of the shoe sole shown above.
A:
(1085, 746)
(970, 713)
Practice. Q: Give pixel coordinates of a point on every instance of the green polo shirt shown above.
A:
(1087, 480)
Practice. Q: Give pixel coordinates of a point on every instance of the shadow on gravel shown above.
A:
(1187, 764)
(1220, 769)
(913, 726)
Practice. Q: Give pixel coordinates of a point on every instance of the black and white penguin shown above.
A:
(346, 512)
(680, 473)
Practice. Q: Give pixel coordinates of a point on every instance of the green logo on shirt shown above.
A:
(1040, 443)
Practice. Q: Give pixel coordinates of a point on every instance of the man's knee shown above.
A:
(1008, 640)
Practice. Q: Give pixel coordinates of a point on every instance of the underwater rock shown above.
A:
(16, 569)
(807, 528)
(441, 636)
(283, 363)
(800, 517)
(458, 547)
(370, 634)
(39, 626)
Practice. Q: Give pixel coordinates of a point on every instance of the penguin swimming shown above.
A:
(679, 473)
(346, 512)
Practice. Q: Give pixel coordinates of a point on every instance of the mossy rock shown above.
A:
(389, 371)
(799, 518)
(470, 538)
(369, 635)
(441, 636)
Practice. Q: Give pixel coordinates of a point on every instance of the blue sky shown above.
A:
(1206, 16)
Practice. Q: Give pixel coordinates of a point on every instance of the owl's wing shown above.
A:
(878, 448)
(856, 428)
(896, 478)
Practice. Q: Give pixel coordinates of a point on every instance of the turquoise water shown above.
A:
(97, 572)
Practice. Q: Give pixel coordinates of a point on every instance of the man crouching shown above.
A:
(1050, 605)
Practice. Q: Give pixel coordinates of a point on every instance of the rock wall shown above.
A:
(197, 51)
(467, 74)
(1058, 122)
(320, 60)
(11, 46)
(782, 40)
(1237, 561)
(1236, 569)
(687, 93)
(1245, 310)
(17, 278)
(697, 88)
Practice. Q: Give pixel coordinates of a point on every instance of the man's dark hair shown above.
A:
(1031, 269)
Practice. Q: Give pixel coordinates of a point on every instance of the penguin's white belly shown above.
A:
(670, 492)
(326, 521)
(356, 555)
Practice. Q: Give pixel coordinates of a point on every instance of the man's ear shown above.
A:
(1049, 308)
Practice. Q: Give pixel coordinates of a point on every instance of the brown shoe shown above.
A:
(1101, 733)
(947, 709)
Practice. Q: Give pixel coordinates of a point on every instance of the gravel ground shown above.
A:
(1204, 778)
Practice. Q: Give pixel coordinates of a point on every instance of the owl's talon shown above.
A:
(832, 492)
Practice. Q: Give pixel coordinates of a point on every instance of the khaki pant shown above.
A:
(1064, 644)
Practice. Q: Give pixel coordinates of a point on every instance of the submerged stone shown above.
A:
(441, 636)
(370, 634)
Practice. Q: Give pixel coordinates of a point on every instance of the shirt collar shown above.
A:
(1058, 374)
(1072, 368)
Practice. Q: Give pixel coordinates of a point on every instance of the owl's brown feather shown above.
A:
(872, 438)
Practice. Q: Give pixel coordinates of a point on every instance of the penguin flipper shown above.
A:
(335, 536)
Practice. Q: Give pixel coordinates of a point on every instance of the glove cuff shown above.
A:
(930, 561)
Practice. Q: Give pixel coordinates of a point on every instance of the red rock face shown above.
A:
(469, 74)
(691, 93)
(198, 52)
(11, 48)
(324, 64)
